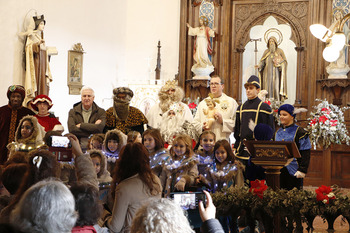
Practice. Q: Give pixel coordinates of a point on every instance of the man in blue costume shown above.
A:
(292, 175)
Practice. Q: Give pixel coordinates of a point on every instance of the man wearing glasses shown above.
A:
(224, 114)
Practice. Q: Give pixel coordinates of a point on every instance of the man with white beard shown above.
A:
(273, 71)
(171, 124)
(168, 95)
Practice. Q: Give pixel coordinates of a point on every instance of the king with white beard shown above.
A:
(169, 95)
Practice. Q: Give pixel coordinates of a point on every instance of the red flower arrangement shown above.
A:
(327, 125)
(258, 187)
(324, 194)
(327, 110)
(333, 122)
(323, 119)
(313, 121)
(192, 105)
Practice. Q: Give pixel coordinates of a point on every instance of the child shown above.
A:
(100, 164)
(96, 141)
(205, 150)
(225, 171)
(205, 147)
(292, 175)
(89, 208)
(134, 136)
(183, 171)
(253, 109)
(158, 155)
(113, 143)
(103, 176)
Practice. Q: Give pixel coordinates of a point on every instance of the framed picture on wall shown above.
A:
(75, 71)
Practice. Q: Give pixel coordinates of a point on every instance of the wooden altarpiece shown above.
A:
(233, 21)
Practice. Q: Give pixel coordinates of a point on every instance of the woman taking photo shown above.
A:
(133, 184)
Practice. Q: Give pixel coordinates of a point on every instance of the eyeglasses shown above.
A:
(214, 84)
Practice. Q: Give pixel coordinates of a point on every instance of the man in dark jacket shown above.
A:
(10, 115)
(86, 117)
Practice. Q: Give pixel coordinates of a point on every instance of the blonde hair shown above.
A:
(188, 142)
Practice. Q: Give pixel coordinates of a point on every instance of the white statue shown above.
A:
(38, 74)
(202, 49)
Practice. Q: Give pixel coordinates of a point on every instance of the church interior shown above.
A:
(142, 44)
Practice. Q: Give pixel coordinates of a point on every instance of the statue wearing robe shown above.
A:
(273, 71)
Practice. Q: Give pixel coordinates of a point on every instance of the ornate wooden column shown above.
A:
(299, 75)
(240, 52)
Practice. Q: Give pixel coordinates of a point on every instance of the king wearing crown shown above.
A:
(169, 95)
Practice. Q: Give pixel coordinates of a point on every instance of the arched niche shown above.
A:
(254, 50)
(293, 14)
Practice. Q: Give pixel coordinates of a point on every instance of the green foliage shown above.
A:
(293, 204)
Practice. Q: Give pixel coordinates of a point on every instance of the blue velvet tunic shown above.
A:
(301, 138)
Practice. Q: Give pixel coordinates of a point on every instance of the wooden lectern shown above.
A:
(272, 156)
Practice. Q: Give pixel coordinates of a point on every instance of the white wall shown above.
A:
(119, 37)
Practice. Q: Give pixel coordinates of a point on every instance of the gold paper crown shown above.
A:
(170, 84)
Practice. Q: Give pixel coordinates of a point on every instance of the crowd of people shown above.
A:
(125, 165)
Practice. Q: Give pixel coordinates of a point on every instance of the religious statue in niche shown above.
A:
(202, 48)
(38, 74)
(339, 68)
(273, 69)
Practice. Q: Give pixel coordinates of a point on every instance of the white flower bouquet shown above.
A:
(327, 125)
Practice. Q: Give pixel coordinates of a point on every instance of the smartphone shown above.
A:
(60, 141)
(188, 200)
(61, 147)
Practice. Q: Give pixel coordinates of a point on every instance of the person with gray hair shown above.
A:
(161, 216)
(46, 207)
(164, 215)
(86, 117)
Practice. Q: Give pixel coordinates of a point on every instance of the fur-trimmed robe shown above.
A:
(186, 172)
(217, 178)
(6, 115)
(34, 141)
(113, 156)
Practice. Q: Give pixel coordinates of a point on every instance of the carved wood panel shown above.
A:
(233, 20)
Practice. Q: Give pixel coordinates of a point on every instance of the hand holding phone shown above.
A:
(188, 200)
(209, 211)
(75, 144)
(60, 141)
